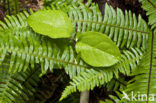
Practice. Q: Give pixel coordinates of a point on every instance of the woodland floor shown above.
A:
(53, 82)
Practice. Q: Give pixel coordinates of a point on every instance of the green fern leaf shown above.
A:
(125, 30)
(25, 44)
(69, 2)
(16, 25)
(150, 7)
(49, 53)
(18, 87)
(144, 81)
(98, 76)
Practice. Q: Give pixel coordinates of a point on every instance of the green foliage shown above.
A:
(11, 6)
(25, 49)
(15, 24)
(144, 81)
(52, 23)
(98, 76)
(126, 31)
(18, 87)
(67, 2)
(97, 49)
(150, 7)
(74, 98)
(28, 48)
(48, 53)
(116, 99)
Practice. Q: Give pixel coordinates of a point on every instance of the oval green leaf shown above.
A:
(97, 49)
(52, 23)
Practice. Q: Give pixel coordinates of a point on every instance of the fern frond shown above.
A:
(150, 7)
(124, 28)
(18, 87)
(74, 98)
(15, 23)
(125, 31)
(144, 81)
(28, 47)
(68, 2)
(49, 53)
(98, 76)
(115, 99)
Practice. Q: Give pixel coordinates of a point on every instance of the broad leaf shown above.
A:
(97, 49)
(52, 23)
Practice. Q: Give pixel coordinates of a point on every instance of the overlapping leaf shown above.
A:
(97, 49)
(52, 23)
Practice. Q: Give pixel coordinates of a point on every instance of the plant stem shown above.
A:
(84, 97)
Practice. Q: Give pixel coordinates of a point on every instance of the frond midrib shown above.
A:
(76, 85)
(95, 74)
(151, 64)
(30, 76)
(41, 56)
(63, 61)
(9, 80)
(127, 61)
(116, 66)
(120, 27)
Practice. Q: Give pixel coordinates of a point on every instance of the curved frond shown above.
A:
(98, 76)
(144, 81)
(150, 7)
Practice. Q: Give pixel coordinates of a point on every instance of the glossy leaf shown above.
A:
(97, 49)
(52, 23)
